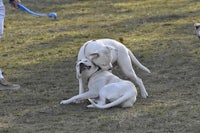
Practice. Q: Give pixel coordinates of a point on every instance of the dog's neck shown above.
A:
(97, 70)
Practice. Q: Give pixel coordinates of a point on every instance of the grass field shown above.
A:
(40, 55)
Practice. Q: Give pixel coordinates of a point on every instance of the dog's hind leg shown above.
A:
(131, 75)
(129, 102)
(127, 69)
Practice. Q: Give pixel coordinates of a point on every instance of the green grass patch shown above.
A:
(40, 54)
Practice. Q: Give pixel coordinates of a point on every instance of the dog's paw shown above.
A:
(63, 102)
(144, 95)
(90, 106)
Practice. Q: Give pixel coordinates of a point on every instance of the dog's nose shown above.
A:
(81, 67)
(81, 64)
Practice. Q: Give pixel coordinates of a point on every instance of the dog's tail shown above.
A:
(112, 104)
(134, 59)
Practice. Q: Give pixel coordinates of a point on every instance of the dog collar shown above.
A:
(95, 72)
(98, 69)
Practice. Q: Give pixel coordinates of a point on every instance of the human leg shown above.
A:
(5, 85)
(2, 16)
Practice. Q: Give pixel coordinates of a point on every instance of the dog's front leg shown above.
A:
(80, 80)
(81, 89)
(83, 96)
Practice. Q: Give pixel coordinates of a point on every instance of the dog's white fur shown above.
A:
(101, 79)
(197, 29)
(122, 93)
(104, 53)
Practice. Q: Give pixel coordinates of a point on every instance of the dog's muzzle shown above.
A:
(83, 67)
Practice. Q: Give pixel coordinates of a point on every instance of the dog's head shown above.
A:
(85, 67)
(197, 29)
(100, 54)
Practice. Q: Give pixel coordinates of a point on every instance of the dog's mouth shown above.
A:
(83, 67)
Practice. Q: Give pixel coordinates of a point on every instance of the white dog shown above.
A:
(197, 29)
(100, 79)
(104, 53)
(122, 93)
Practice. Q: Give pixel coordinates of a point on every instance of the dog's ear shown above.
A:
(93, 56)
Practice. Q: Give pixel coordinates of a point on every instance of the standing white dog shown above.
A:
(105, 85)
(104, 53)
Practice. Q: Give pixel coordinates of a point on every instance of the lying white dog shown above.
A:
(104, 53)
(122, 93)
(99, 79)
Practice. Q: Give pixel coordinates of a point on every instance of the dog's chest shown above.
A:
(96, 83)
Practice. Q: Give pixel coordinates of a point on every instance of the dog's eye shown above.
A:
(197, 27)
